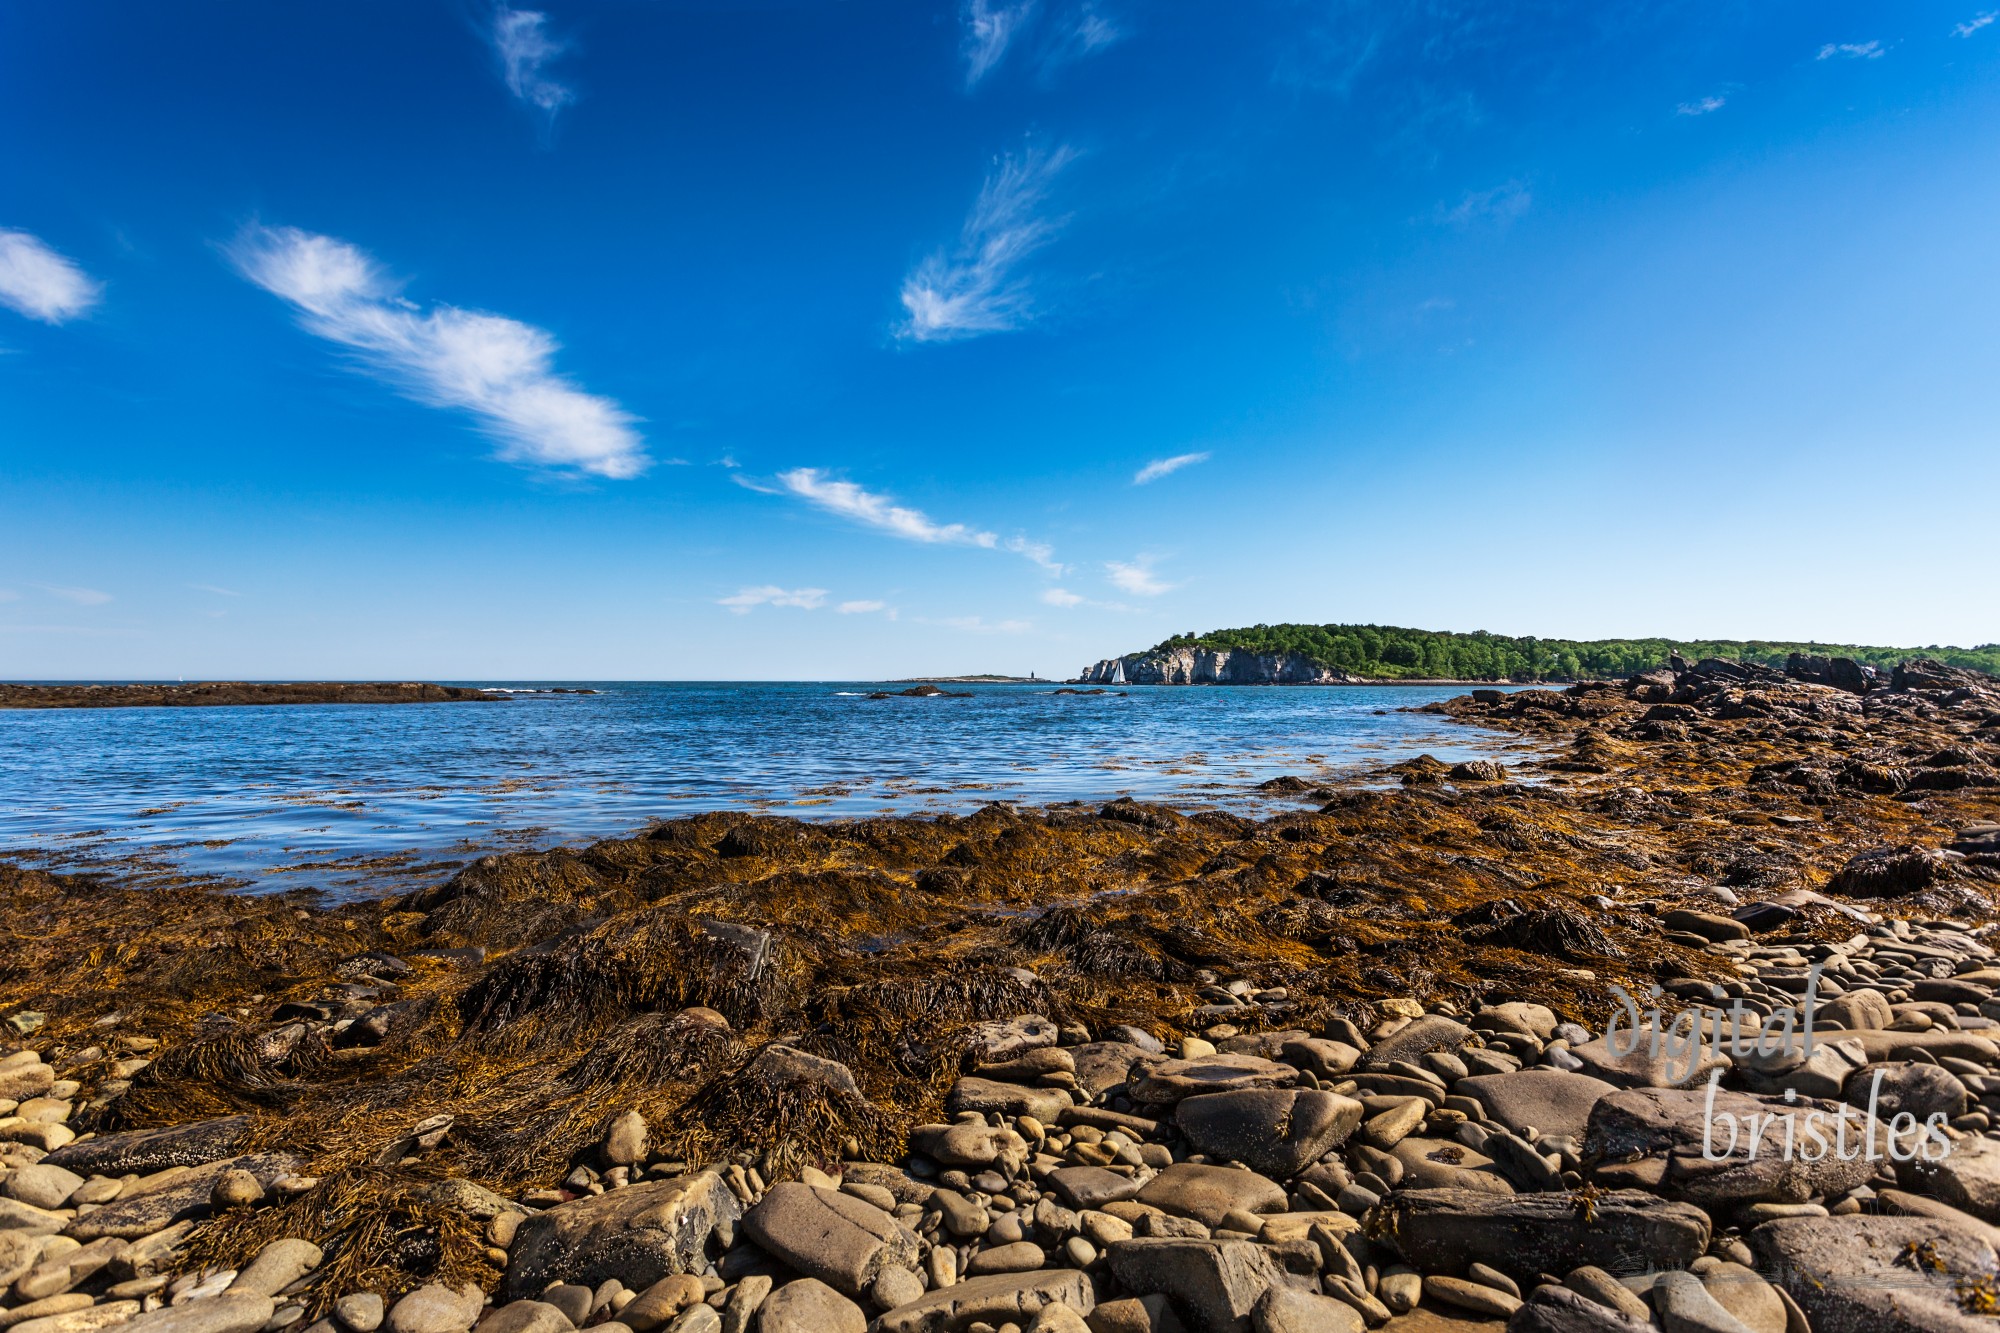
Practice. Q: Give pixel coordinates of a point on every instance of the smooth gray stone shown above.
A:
(1218, 1282)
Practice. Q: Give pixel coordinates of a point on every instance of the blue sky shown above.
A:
(643, 339)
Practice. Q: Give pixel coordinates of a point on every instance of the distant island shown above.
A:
(233, 693)
(1294, 654)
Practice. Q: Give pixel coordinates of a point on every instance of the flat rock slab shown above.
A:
(1218, 1282)
(638, 1235)
(144, 1214)
(987, 1095)
(1274, 1131)
(1207, 1193)
(1003, 1298)
(144, 1151)
(1084, 1187)
(1523, 1235)
(1554, 1101)
(1102, 1065)
(1967, 1178)
(221, 1314)
(1169, 1081)
(1644, 1067)
(843, 1241)
(1850, 1274)
(1718, 1160)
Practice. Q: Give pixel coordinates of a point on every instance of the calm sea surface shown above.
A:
(360, 798)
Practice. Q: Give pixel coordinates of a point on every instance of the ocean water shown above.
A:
(362, 798)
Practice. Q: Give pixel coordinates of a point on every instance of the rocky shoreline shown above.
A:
(1113, 1068)
(235, 693)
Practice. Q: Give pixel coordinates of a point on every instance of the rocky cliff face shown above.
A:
(1218, 666)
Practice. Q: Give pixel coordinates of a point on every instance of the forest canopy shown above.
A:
(1392, 653)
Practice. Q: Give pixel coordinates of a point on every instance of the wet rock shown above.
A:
(830, 1236)
(809, 1306)
(1208, 1193)
(1276, 1132)
(638, 1235)
(1001, 1299)
(1527, 1234)
(1217, 1283)
(1850, 1274)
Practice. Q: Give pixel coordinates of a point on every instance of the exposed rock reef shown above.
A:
(229, 693)
(1117, 1069)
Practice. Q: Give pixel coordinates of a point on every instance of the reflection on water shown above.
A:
(348, 797)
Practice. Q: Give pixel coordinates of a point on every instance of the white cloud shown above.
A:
(498, 369)
(1852, 51)
(1136, 577)
(210, 587)
(1084, 32)
(521, 39)
(1701, 107)
(989, 31)
(1061, 597)
(878, 511)
(1161, 467)
(973, 289)
(39, 283)
(770, 594)
(1501, 204)
(81, 596)
(1975, 23)
(861, 608)
(1040, 552)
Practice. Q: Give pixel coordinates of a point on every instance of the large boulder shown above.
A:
(1714, 1148)
(1274, 1131)
(1529, 1234)
(837, 1238)
(1877, 1274)
(638, 1235)
(809, 1306)
(1967, 1177)
(1553, 1101)
(188, 1196)
(1218, 1282)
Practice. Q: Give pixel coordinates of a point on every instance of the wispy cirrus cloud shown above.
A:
(1499, 205)
(1975, 23)
(1161, 467)
(219, 592)
(981, 625)
(499, 370)
(1136, 576)
(870, 509)
(987, 30)
(1852, 51)
(770, 594)
(1069, 601)
(81, 596)
(1084, 31)
(39, 282)
(1701, 106)
(525, 47)
(975, 288)
(853, 502)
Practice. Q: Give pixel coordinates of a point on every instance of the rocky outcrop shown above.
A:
(1212, 666)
